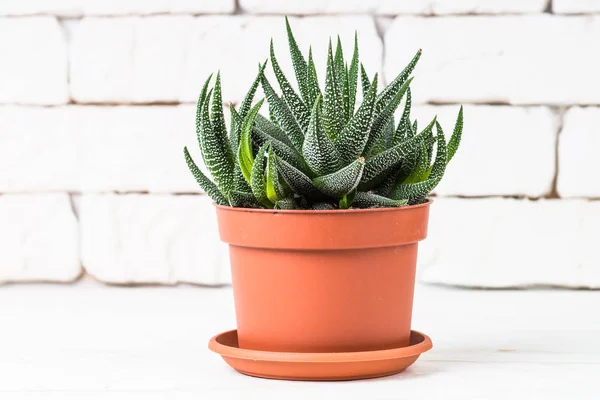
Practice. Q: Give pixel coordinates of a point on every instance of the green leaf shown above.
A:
(322, 206)
(218, 120)
(456, 135)
(300, 67)
(275, 191)
(351, 142)
(287, 203)
(216, 156)
(247, 102)
(283, 115)
(235, 128)
(299, 110)
(239, 181)
(417, 192)
(420, 170)
(347, 200)
(371, 200)
(333, 103)
(353, 79)
(243, 200)
(383, 118)
(404, 124)
(384, 161)
(341, 76)
(271, 129)
(318, 150)
(341, 182)
(258, 183)
(390, 91)
(313, 81)
(297, 180)
(364, 80)
(205, 184)
(245, 157)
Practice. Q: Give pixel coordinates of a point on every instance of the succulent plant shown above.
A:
(318, 149)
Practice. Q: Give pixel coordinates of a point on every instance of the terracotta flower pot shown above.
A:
(323, 281)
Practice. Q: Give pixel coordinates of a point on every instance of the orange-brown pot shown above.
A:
(323, 281)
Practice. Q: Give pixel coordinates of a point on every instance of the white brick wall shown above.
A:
(152, 239)
(96, 102)
(39, 238)
(392, 7)
(168, 58)
(505, 59)
(34, 64)
(505, 242)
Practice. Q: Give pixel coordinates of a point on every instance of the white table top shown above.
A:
(88, 341)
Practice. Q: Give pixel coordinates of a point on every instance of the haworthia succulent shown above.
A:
(456, 135)
(371, 200)
(216, 156)
(333, 103)
(283, 115)
(353, 79)
(318, 150)
(315, 151)
(247, 102)
(296, 105)
(343, 181)
(353, 138)
(312, 83)
(300, 67)
(390, 91)
(275, 190)
(383, 161)
(206, 184)
(415, 192)
(297, 180)
(258, 182)
(242, 199)
(384, 117)
(245, 156)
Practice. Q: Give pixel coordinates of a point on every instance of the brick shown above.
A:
(575, 6)
(76, 8)
(38, 149)
(152, 239)
(478, 62)
(167, 59)
(39, 239)
(504, 150)
(34, 61)
(392, 7)
(136, 148)
(578, 161)
(511, 243)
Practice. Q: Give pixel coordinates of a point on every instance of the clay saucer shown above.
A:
(318, 366)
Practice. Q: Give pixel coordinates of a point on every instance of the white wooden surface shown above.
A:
(87, 341)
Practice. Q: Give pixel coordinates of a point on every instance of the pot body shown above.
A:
(323, 281)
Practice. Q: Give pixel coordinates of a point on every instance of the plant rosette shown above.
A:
(323, 204)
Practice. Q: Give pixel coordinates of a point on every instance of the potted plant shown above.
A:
(323, 204)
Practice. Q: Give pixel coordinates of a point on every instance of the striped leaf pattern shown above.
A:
(319, 150)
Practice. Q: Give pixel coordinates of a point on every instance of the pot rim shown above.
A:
(351, 211)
